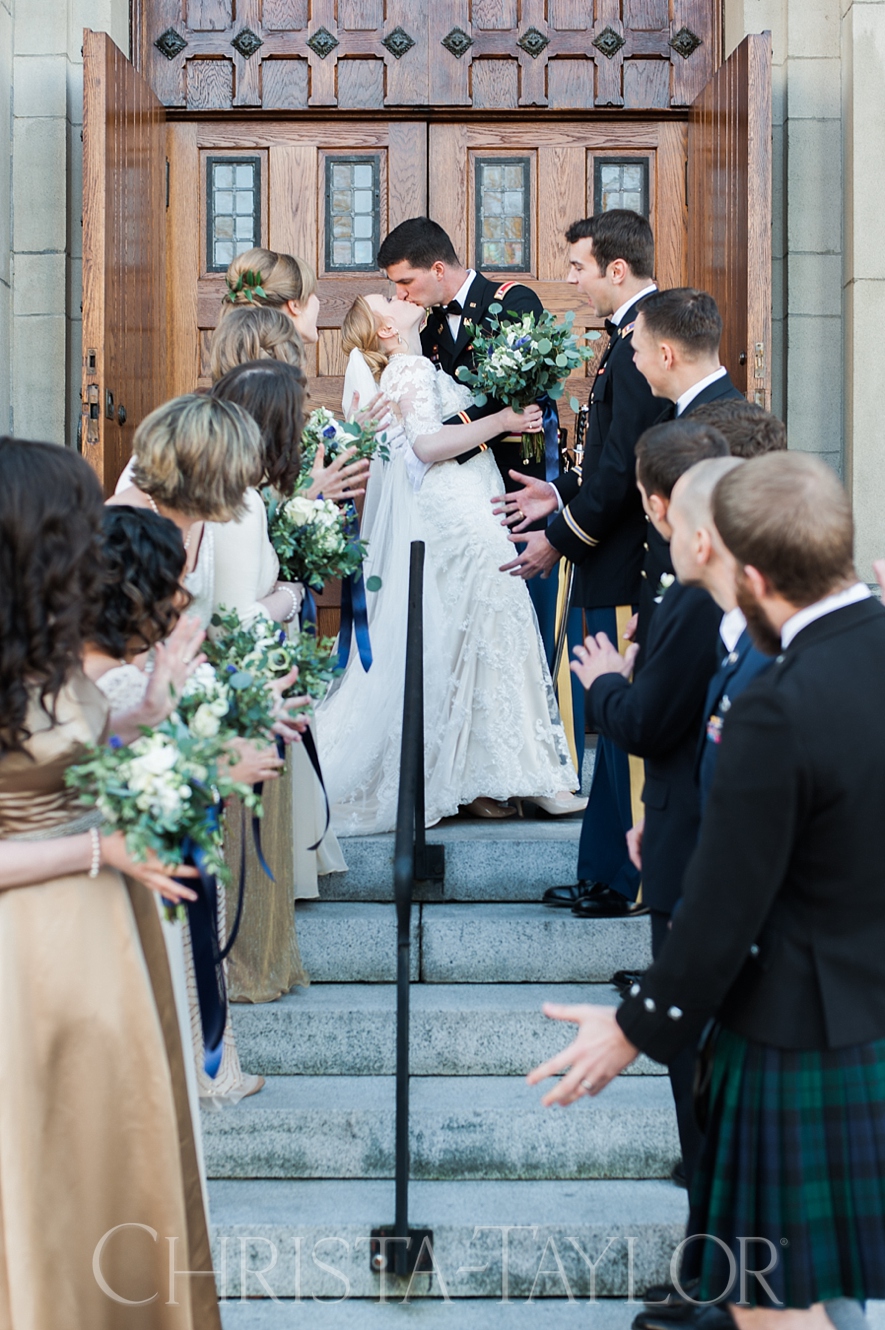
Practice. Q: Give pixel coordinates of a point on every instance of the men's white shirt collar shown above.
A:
(850, 596)
(618, 316)
(730, 629)
(691, 393)
(461, 297)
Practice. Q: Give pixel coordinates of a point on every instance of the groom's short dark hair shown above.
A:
(665, 452)
(618, 234)
(419, 242)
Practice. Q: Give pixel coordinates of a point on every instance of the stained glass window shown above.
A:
(503, 211)
(621, 183)
(353, 213)
(233, 212)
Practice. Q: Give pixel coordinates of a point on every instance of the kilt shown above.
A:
(794, 1154)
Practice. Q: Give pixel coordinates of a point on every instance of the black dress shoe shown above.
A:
(624, 980)
(563, 898)
(669, 1295)
(677, 1175)
(684, 1314)
(603, 903)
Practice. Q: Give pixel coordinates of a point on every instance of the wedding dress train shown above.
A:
(492, 726)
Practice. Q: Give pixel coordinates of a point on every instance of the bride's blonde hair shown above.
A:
(359, 331)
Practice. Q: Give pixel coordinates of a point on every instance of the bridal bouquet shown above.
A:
(336, 436)
(519, 363)
(312, 539)
(163, 792)
(265, 653)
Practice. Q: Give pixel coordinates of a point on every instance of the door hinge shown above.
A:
(759, 362)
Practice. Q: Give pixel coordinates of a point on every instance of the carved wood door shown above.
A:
(729, 192)
(327, 190)
(124, 287)
(506, 192)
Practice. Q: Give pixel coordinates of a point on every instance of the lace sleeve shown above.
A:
(454, 396)
(410, 381)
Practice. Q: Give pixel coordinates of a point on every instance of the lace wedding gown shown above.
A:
(491, 722)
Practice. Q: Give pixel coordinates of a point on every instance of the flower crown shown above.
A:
(248, 283)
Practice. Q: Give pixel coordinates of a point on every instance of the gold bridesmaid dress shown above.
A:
(96, 1139)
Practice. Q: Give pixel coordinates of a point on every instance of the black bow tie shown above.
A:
(454, 307)
(611, 328)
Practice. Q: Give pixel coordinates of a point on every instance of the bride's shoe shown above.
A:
(558, 807)
(484, 807)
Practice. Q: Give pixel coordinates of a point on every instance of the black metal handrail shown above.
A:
(399, 1249)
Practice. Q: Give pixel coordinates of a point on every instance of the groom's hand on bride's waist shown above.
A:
(538, 556)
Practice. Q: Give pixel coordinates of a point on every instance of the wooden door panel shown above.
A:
(124, 296)
(562, 159)
(729, 182)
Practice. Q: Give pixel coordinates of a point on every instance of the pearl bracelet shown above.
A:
(294, 610)
(95, 836)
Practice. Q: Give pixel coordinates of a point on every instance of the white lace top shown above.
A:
(425, 395)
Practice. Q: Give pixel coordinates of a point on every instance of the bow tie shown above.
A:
(453, 307)
(611, 328)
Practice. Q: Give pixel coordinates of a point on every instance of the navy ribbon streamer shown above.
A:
(314, 758)
(308, 617)
(551, 437)
(258, 788)
(354, 609)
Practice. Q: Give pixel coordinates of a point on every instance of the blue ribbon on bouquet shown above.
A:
(551, 437)
(308, 615)
(258, 788)
(354, 608)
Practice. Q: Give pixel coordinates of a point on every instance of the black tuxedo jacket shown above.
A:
(657, 717)
(781, 929)
(657, 552)
(438, 345)
(602, 526)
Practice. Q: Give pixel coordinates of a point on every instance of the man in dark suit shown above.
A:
(421, 261)
(781, 928)
(658, 715)
(676, 348)
(596, 520)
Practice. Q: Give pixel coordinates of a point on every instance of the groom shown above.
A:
(420, 260)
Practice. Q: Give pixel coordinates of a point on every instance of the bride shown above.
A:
(492, 728)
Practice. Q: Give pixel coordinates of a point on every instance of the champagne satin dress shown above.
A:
(96, 1140)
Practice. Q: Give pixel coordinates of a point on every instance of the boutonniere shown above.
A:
(667, 580)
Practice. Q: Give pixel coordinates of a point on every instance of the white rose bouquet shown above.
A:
(265, 652)
(312, 539)
(522, 362)
(163, 791)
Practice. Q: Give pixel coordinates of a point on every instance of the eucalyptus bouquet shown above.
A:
(336, 436)
(519, 363)
(312, 539)
(163, 791)
(265, 653)
(226, 701)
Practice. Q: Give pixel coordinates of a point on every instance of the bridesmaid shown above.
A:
(97, 1137)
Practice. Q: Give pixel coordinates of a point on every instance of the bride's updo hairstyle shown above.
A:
(253, 332)
(275, 396)
(263, 277)
(198, 456)
(144, 559)
(51, 575)
(359, 332)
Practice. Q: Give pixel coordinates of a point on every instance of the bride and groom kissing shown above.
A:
(493, 731)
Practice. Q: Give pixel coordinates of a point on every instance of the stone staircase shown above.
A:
(303, 1171)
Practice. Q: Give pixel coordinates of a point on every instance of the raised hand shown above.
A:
(597, 1054)
(342, 479)
(535, 499)
(599, 656)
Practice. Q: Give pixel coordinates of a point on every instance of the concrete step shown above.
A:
(485, 861)
(456, 1029)
(479, 1314)
(353, 942)
(297, 1230)
(461, 1127)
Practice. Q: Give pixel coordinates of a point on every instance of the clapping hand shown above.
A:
(342, 479)
(599, 656)
(174, 662)
(597, 1054)
(289, 727)
(519, 508)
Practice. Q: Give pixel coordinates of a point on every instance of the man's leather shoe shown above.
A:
(624, 980)
(683, 1315)
(603, 903)
(563, 898)
(677, 1175)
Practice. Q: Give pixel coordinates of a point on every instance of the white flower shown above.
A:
(203, 680)
(300, 511)
(154, 756)
(205, 721)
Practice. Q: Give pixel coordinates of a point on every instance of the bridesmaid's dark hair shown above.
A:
(144, 559)
(50, 574)
(275, 395)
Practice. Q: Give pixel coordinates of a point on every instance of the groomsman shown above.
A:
(749, 430)
(598, 523)
(676, 348)
(658, 715)
(420, 259)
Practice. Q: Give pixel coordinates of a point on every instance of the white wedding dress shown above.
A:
(491, 722)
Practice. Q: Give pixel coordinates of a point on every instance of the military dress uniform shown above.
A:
(601, 529)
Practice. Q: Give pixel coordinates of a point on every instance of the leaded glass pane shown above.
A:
(503, 207)
(621, 184)
(353, 212)
(233, 209)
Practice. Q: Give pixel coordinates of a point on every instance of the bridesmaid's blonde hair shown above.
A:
(359, 331)
(254, 333)
(198, 456)
(280, 277)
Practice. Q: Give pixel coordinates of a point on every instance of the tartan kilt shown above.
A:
(795, 1154)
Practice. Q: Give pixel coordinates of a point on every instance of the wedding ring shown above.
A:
(585, 1085)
